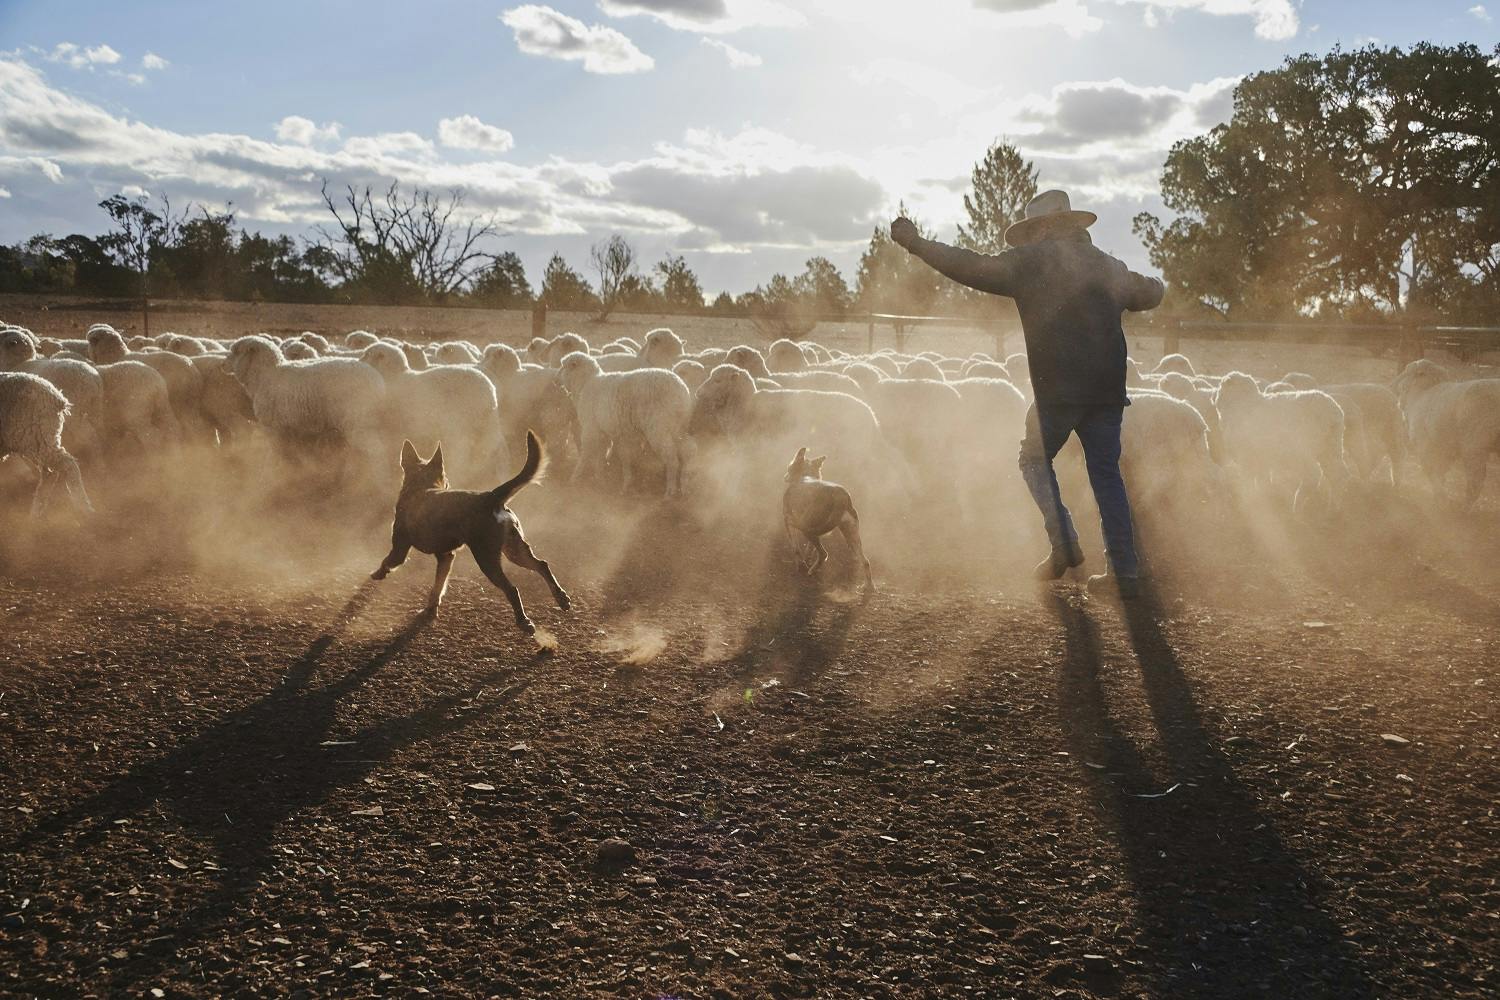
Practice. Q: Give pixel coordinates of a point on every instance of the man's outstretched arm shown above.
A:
(1141, 293)
(994, 274)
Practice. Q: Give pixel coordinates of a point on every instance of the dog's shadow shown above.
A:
(237, 783)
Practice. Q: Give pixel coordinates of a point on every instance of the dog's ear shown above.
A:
(409, 458)
(801, 456)
(436, 461)
(817, 465)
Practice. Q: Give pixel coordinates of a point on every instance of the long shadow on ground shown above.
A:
(1228, 912)
(236, 783)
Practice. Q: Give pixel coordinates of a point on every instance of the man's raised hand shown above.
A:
(904, 232)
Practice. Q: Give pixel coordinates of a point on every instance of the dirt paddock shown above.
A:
(234, 766)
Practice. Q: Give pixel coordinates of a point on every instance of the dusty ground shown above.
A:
(272, 778)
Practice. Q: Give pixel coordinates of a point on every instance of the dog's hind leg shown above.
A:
(849, 528)
(440, 582)
(518, 551)
(820, 554)
(489, 565)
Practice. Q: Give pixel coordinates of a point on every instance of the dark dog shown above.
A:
(436, 520)
(812, 507)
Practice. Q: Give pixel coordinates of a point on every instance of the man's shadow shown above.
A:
(1227, 910)
(236, 783)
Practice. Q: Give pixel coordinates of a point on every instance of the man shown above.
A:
(1070, 296)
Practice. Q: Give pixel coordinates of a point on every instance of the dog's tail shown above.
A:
(536, 460)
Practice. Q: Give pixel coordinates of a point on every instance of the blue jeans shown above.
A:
(1098, 430)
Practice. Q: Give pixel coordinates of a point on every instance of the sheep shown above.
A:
(619, 362)
(691, 372)
(730, 403)
(785, 356)
(1180, 386)
(1383, 427)
(299, 401)
(885, 364)
(562, 345)
(1167, 451)
(663, 348)
(1450, 420)
(1292, 438)
(749, 359)
(136, 406)
(984, 369)
(1174, 363)
(317, 341)
(184, 382)
(416, 358)
(921, 417)
(711, 357)
(357, 340)
(820, 381)
(296, 350)
(530, 398)
(454, 353)
(1019, 367)
(225, 404)
(536, 351)
(625, 410)
(78, 381)
(452, 405)
(32, 414)
(923, 368)
(188, 347)
(1300, 380)
(864, 375)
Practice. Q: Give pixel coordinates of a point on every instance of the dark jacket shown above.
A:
(1070, 295)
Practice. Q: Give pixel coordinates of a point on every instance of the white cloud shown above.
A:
(305, 131)
(707, 15)
(749, 190)
(1479, 12)
(135, 79)
(542, 31)
(1275, 20)
(79, 57)
(153, 61)
(1070, 15)
(737, 58)
(468, 132)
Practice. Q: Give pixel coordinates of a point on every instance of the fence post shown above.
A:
(1171, 341)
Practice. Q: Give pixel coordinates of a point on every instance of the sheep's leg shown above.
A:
(397, 556)
(46, 485)
(489, 565)
(72, 480)
(518, 551)
(849, 528)
(671, 457)
(590, 455)
(440, 582)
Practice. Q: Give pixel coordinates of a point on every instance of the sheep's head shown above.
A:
(16, 348)
(691, 372)
(663, 348)
(577, 369)
(786, 356)
(252, 356)
(106, 346)
(296, 350)
(1237, 386)
(415, 359)
(359, 339)
(922, 368)
(317, 340)
(750, 360)
(387, 359)
(720, 399)
(1418, 377)
(536, 351)
(563, 345)
(1174, 363)
(803, 467)
(500, 361)
(417, 475)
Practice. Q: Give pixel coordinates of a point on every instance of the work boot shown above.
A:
(1059, 562)
(1127, 587)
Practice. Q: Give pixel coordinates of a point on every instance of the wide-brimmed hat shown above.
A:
(1047, 213)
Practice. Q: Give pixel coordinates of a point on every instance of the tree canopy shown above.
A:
(1359, 180)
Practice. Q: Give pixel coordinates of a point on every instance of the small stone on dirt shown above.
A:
(616, 852)
(1392, 740)
(481, 786)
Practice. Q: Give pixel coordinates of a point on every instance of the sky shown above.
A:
(745, 135)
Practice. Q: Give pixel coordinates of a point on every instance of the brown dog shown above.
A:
(436, 520)
(812, 508)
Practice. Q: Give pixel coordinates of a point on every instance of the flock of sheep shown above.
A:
(654, 415)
